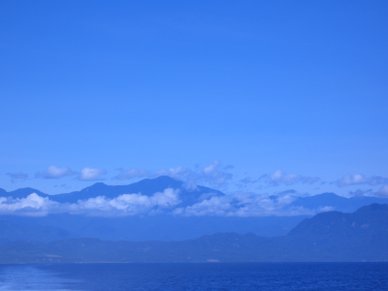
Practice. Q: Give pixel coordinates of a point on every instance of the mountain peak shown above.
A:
(152, 185)
(95, 186)
(336, 224)
(163, 180)
(23, 192)
(145, 187)
(329, 197)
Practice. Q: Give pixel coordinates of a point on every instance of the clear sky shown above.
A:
(271, 92)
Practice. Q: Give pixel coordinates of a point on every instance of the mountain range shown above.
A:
(330, 236)
(145, 187)
(163, 224)
(191, 194)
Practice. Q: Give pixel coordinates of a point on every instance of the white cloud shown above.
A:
(213, 175)
(91, 174)
(361, 179)
(127, 204)
(244, 205)
(280, 177)
(54, 172)
(33, 204)
(167, 201)
(216, 172)
(383, 191)
(215, 206)
(354, 179)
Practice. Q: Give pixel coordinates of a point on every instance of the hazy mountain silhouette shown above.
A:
(332, 200)
(148, 187)
(163, 226)
(138, 228)
(22, 193)
(190, 194)
(331, 236)
(368, 220)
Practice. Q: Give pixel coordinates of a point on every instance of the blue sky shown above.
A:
(224, 90)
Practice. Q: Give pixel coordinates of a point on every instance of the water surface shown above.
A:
(261, 276)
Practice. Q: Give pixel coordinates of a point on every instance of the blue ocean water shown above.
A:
(261, 276)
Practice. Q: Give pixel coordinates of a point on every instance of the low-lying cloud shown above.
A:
(383, 191)
(33, 205)
(54, 172)
(125, 204)
(361, 179)
(246, 205)
(281, 178)
(91, 174)
(243, 204)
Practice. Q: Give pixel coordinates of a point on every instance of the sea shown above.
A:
(209, 276)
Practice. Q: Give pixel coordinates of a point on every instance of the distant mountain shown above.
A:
(362, 235)
(21, 228)
(322, 200)
(22, 193)
(145, 187)
(335, 202)
(368, 221)
(189, 195)
(137, 228)
(331, 236)
(164, 224)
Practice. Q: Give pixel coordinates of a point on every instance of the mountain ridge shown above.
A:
(167, 195)
(225, 247)
(150, 186)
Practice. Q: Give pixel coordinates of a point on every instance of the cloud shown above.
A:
(17, 176)
(245, 205)
(280, 177)
(91, 174)
(54, 172)
(213, 174)
(218, 173)
(242, 204)
(361, 179)
(215, 206)
(354, 179)
(127, 204)
(383, 191)
(33, 205)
